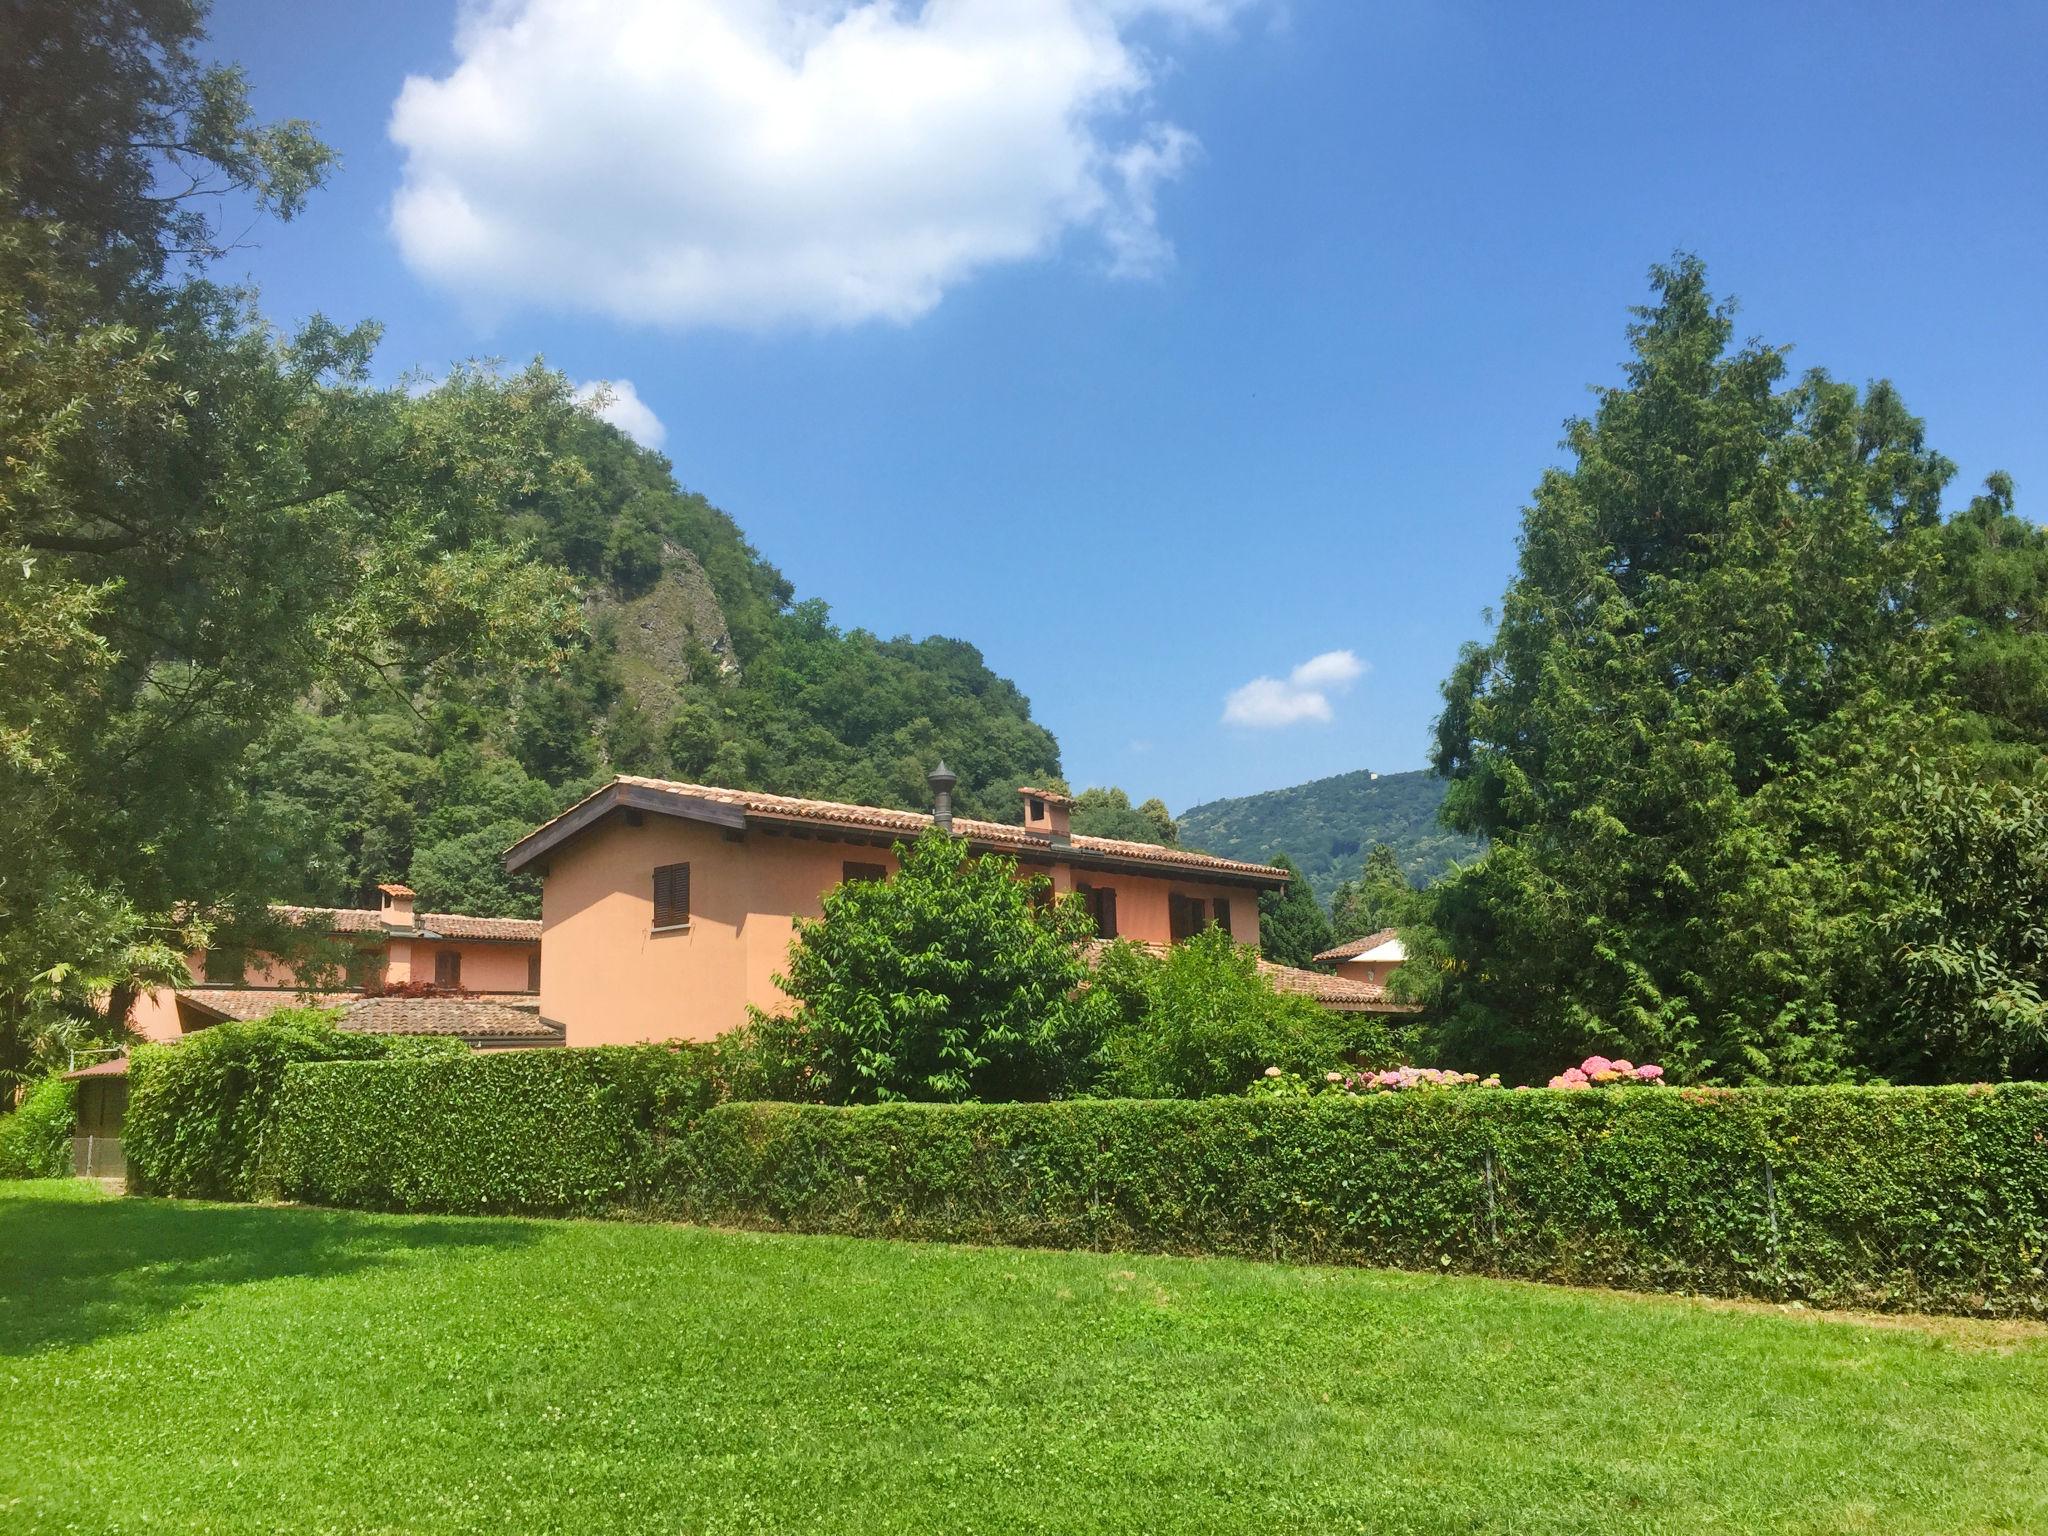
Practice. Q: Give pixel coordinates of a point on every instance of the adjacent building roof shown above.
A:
(113, 1066)
(738, 809)
(1362, 949)
(425, 925)
(1343, 994)
(499, 1018)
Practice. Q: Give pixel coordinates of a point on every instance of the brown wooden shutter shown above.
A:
(447, 967)
(870, 874)
(671, 895)
(533, 972)
(1105, 912)
(1221, 908)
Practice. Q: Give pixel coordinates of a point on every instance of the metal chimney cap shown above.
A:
(941, 778)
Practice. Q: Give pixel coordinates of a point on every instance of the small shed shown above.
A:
(99, 1109)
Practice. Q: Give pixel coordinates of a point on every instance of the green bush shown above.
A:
(554, 1131)
(952, 979)
(1883, 1197)
(1201, 1020)
(200, 1112)
(35, 1140)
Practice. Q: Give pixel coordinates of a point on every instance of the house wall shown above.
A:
(610, 979)
(1367, 970)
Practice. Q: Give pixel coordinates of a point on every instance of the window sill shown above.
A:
(671, 928)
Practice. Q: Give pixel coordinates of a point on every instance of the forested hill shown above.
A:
(1327, 826)
(694, 662)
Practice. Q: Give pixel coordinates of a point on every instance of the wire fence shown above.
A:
(98, 1157)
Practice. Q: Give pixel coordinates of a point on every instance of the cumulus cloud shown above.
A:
(1304, 694)
(618, 402)
(751, 162)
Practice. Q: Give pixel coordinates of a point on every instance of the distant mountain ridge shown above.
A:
(1326, 826)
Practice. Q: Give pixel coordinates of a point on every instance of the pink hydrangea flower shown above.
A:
(1272, 1071)
(1595, 1064)
(1623, 1067)
(1649, 1072)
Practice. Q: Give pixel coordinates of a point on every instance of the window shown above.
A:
(672, 896)
(447, 967)
(1185, 916)
(226, 967)
(533, 972)
(1102, 907)
(864, 874)
(1219, 913)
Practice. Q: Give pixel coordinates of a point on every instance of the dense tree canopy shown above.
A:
(1726, 641)
(1293, 929)
(1100, 812)
(1380, 897)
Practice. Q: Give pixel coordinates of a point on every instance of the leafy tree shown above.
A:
(202, 524)
(1968, 952)
(1683, 738)
(1995, 568)
(1109, 813)
(1380, 897)
(1200, 1020)
(1292, 927)
(954, 979)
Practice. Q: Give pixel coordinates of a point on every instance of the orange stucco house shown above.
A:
(1366, 963)
(477, 960)
(667, 908)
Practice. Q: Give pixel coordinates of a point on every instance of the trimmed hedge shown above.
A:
(1924, 1198)
(202, 1114)
(35, 1138)
(551, 1131)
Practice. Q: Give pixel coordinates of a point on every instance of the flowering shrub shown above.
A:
(1598, 1070)
(1278, 1084)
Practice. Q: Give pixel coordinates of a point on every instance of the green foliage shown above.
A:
(35, 1139)
(1926, 1199)
(202, 1114)
(577, 1131)
(1201, 1020)
(952, 979)
(1324, 826)
(1995, 569)
(1109, 813)
(1381, 897)
(1969, 949)
(1292, 927)
(1683, 742)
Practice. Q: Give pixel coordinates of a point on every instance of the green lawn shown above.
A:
(182, 1367)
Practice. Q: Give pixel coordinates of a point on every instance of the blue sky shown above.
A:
(1226, 334)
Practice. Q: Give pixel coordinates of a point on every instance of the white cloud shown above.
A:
(1304, 694)
(749, 162)
(618, 402)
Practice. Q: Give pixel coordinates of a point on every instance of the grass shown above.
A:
(186, 1367)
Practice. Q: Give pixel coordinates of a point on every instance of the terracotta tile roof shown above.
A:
(113, 1066)
(470, 1018)
(426, 925)
(999, 836)
(1345, 994)
(1341, 994)
(1359, 946)
(459, 925)
(475, 1016)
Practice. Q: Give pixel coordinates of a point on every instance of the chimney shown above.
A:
(397, 905)
(942, 779)
(1048, 814)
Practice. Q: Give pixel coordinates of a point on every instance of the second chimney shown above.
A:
(397, 905)
(1048, 814)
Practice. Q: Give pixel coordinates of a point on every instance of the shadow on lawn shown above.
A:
(72, 1271)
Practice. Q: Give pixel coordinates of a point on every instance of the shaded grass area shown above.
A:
(183, 1367)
